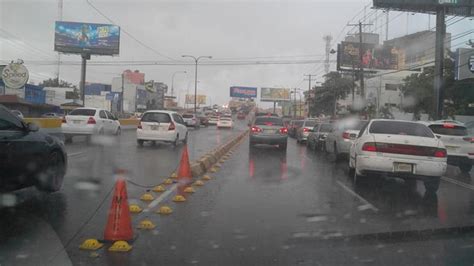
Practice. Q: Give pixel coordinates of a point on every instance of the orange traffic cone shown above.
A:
(119, 223)
(184, 171)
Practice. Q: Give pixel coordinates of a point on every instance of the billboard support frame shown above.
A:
(439, 61)
(82, 83)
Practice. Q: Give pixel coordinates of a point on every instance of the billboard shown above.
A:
(464, 63)
(201, 99)
(453, 7)
(374, 56)
(86, 38)
(243, 92)
(274, 94)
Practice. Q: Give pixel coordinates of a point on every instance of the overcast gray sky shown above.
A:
(223, 29)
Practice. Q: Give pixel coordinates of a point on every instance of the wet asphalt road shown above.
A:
(264, 207)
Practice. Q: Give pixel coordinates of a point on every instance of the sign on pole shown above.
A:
(243, 92)
(274, 94)
(15, 75)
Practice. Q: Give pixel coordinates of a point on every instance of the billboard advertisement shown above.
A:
(243, 92)
(274, 94)
(86, 38)
(373, 56)
(464, 63)
(452, 7)
(201, 99)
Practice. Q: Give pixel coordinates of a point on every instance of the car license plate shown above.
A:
(451, 148)
(77, 121)
(154, 127)
(403, 167)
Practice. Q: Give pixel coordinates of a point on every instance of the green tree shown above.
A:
(335, 85)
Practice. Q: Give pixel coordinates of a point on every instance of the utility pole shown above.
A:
(361, 56)
(196, 60)
(309, 79)
(60, 18)
(387, 15)
(439, 61)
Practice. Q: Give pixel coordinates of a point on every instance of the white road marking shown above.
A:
(459, 183)
(75, 154)
(366, 203)
(158, 200)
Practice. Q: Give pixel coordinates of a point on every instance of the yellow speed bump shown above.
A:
(147, 197)
(198, 183)
(91, 244)
(168, 181)
(221, 161)
(159, 188)
(120, 246)
(206, 178)
(134, 208)
(179, 198)
(189, 190)
(174, 175)
(213, 169)
(146, 225)
(165, 210)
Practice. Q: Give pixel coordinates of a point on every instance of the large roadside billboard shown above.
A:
(373, 56)
(464, 63)
(274, 94)
(452, 7)
(243, 92)
(201, 99)
(86, 38)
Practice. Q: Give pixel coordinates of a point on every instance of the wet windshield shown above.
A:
(236, 132)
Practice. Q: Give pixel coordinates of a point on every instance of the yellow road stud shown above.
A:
(168, 181)
(120, 246)
(134, 208)
(179, 198)
(159, 188)
(189, 190)
(206, 178)
(174, 175)
(91, 244)
(165, 210)
(213, 169)
(146, 225)
(147, 197)
(94, 254)
(199, 183)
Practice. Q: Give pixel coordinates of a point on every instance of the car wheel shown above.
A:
(140, 142)
(185, 138)
(357, 178)
(465, 167)
(432, 184)
(51, 179)
(118, 132)
(176, 141)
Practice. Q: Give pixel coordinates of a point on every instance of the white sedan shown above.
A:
(225, 122)
(163, 126)
(398, 148)
(89, 121)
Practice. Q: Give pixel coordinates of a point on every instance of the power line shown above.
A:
(126, 32)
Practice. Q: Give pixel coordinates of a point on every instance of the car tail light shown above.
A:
(346, 135)
(172, 126)
(448, 125)
(140, 125)
(63, 120)
(440, 153)
(469, 139)
(283, 130)
(256, 129)
(268, 124)
(305, 130)
(91, 121)
(369, 146)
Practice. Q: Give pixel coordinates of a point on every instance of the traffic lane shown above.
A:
(267, 207)
(90, 180)
(246, 214)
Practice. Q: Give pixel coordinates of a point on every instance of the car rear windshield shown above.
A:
(310, 123)
(85, 112)
(449, 129)
(188, 116)
(225, 118)
(298, 123)
(400, 128)
(156, 117)
(325, 128)
(269, 121)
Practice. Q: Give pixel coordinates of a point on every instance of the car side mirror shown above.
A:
(31, 127)
(438, 136)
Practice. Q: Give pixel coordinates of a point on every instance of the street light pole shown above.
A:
(196, 60)
(172, 81)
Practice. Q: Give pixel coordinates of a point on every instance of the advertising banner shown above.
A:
(86, 38)
(274, 94)
(464, 63)
(452, 7)
(243, 92)
(373, 56)
(15, 75)
(201, 99)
